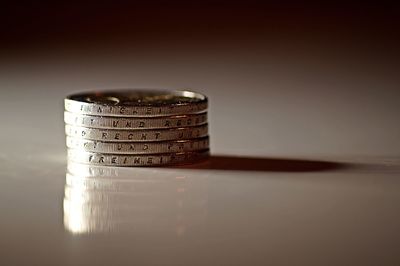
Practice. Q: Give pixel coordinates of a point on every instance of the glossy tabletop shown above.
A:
(304, 169)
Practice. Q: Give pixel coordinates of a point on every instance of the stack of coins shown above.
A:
(136, 127)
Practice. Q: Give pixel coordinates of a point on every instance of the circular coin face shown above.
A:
(136, 102)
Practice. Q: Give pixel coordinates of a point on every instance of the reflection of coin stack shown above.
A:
(136, 127)
(104, 199)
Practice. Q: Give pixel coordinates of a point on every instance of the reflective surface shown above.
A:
(304, 170)
(105, 199)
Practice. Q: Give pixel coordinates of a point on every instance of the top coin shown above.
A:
(136, 103)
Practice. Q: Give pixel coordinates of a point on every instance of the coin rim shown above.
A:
(203, 155)
(154, 149)
(165, 131)
(161, 118)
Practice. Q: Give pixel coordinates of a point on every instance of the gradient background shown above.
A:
(315, 78)
(291, 80)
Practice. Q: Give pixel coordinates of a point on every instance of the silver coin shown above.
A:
(115, 135)
(135, 123)
(138, 147)
(136, 160)
(136, 103)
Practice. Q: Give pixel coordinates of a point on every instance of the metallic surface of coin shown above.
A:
(136, 160)
(138, 147)
(115, 135)
(136, 103)
(135, 123)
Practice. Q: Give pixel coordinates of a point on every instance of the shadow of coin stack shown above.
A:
(136, 127)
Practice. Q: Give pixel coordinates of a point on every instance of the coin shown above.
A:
(136, 135)
(138, 147)
(135, 123)
(136, 127)
(136, 103)
(136, 160)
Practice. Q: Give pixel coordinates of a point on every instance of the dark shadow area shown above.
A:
(233, 163)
